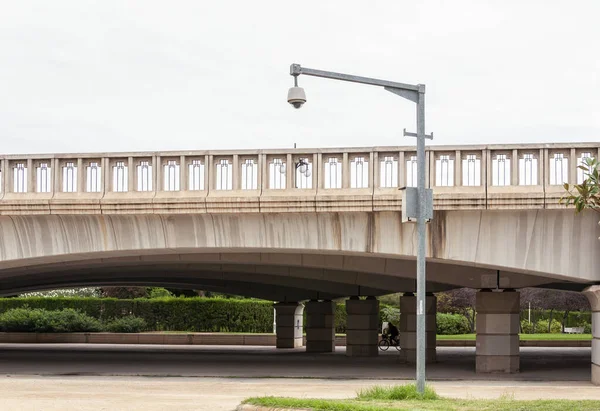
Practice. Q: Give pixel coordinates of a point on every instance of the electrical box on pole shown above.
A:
(410, 204)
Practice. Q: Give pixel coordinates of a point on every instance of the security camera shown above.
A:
(296, 97)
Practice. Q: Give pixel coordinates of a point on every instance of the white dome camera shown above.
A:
(296, 96)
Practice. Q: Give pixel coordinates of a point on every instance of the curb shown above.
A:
(151, 338)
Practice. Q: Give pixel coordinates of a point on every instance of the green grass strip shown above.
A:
(526, 337)
(425, 405)
(406, 397)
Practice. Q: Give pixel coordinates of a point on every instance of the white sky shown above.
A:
(169, 75)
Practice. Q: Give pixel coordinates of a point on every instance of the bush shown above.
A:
(541, 327)
(22, 320)
(159, 293)
(587, 328)
(39, 320)
(526, 327)
(452, 324)
(127, 325)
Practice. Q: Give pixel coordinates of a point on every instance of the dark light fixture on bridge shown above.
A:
(301, 166)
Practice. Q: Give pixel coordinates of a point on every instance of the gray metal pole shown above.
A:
(421, 233)
(416, 94)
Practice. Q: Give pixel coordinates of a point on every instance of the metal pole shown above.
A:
(421, 233)
(416, 94)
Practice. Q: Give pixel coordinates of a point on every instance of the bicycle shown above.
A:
(386, 341)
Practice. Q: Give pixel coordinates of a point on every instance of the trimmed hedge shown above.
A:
(177, 314)
(166, 314)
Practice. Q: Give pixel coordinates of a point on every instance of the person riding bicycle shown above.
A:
(393, 332)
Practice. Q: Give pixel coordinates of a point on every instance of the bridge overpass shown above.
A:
(303, 224)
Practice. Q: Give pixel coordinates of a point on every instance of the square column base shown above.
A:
(489, 364)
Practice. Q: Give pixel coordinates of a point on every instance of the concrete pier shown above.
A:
(289, 324)
(320, 326)
(408, 327)
(362, 327)
(497, 327)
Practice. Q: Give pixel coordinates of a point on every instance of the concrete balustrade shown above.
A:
(320, 326)
(362, 324)
(289, 319)
(497, 327)
(408, 327)
(344, 179)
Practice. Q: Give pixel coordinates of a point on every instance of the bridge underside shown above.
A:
(282, 276)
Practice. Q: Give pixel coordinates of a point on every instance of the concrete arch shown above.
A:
(373, 250)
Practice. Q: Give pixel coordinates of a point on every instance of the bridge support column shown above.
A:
(362, 326)
(288, 317)
(593, 295)
(497, 330)
(320, 326)
(408, 327)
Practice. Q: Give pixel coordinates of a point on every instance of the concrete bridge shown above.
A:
(306, 224)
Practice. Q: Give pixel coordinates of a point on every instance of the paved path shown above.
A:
(537, 364)
(25, 393)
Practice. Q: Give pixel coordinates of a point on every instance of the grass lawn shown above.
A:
(525, 337)
(405, 397)
(425, 405)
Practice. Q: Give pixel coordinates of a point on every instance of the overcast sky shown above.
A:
(191, 75)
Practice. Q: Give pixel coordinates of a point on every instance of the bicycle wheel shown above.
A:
(384, 345)
(397, 345)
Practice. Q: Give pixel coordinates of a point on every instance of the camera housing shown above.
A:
(296, 97)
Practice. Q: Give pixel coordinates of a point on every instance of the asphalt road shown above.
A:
(537, 364)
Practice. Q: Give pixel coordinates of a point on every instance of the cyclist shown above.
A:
(393, 332)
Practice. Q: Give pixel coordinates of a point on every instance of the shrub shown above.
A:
(541, 327)
(452, 324)
(70, 320)
(526, 327)
(159, 293)
(39, 320)
(587, 328)
(127, 325)
(22, 320)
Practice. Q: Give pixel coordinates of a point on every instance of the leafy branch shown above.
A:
(586, 194)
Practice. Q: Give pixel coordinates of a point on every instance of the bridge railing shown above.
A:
(345, 179)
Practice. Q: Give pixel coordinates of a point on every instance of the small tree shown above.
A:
(459, 301)
(586, 194)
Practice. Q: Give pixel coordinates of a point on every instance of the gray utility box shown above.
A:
(410, 204)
